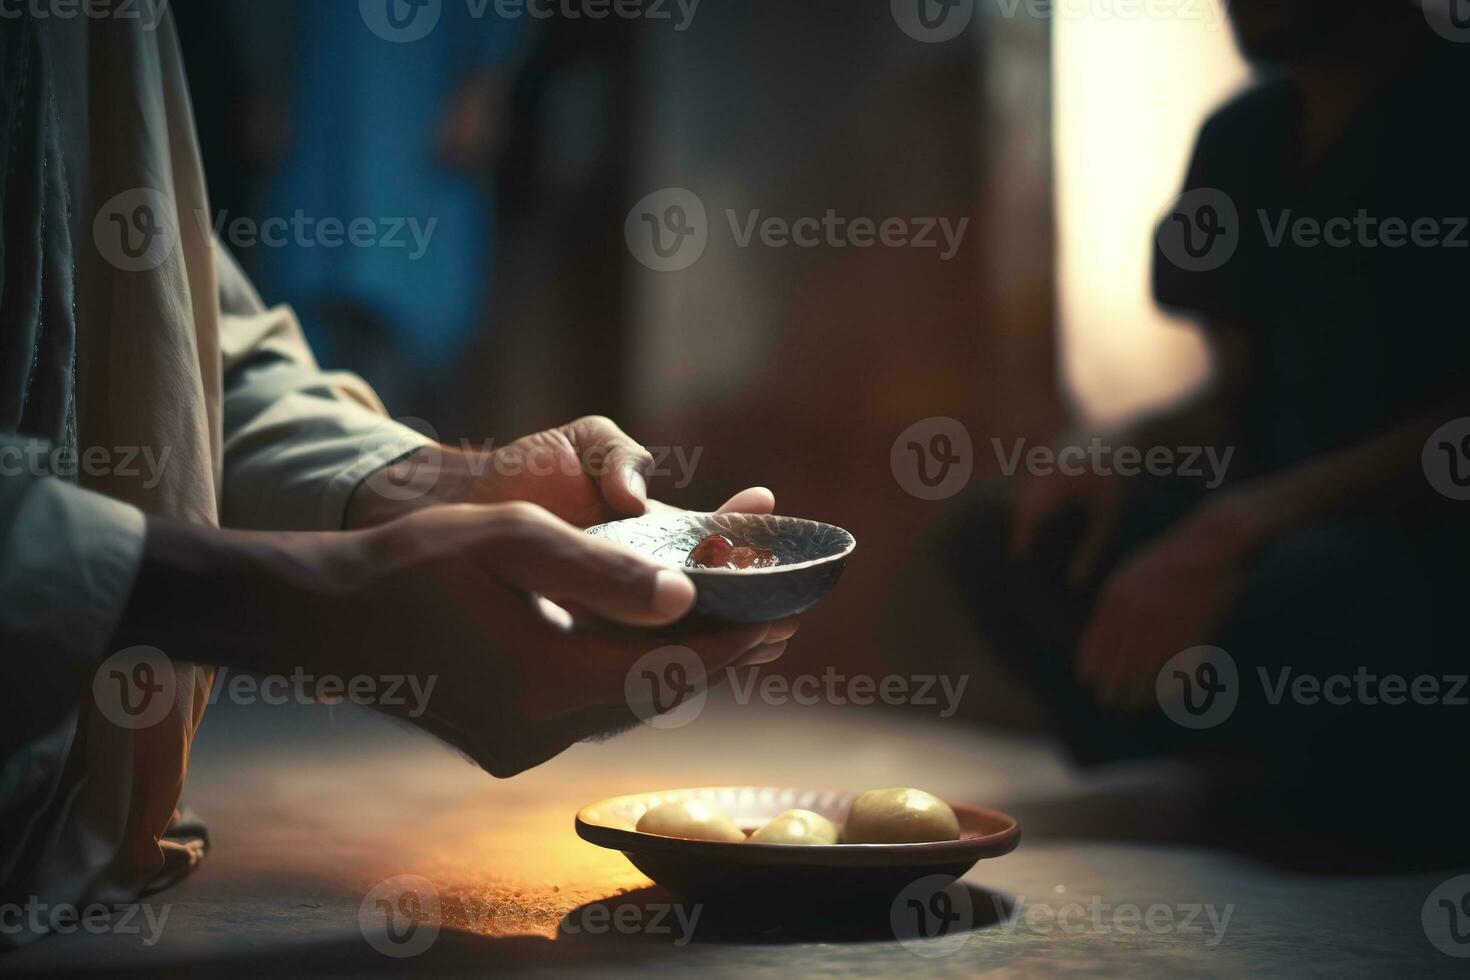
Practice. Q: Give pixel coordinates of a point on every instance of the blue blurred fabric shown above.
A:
(363, 112)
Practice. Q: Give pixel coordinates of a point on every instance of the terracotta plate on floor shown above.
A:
(783, 873)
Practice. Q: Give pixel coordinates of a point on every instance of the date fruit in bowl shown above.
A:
(718, 551)
(781, 565)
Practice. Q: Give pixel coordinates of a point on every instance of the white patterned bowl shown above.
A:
(812, 556)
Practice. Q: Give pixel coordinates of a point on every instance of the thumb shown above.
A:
(546, 556)
(755, 500)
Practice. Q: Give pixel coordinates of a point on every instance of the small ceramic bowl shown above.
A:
(782, 874)
(811, 555)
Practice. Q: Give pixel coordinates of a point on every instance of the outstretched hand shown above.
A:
(585, 472)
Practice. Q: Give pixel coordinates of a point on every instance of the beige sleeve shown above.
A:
(298, 440)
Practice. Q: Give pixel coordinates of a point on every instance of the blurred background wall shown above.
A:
(1130, 95)
(792, 367)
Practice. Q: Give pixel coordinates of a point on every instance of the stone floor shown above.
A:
(311, 807)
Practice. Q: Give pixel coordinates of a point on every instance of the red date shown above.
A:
(718, 551)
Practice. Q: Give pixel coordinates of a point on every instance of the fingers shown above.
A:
(624, 462)
(782, 629)
(763, 654)
(608, 657)
(744, 644)
(755, 500)
(534, 552)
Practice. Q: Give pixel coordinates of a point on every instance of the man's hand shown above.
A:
(1171, 595)
(586, 472)
(455, 598)
(449, 592)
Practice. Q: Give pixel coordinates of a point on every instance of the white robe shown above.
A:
(178, 357)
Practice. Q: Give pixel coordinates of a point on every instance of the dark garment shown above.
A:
(1322, 601)
(1347, 331)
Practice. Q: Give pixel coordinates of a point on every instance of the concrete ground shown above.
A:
(1120, 873)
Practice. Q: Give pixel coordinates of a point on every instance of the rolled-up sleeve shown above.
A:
(297, 440)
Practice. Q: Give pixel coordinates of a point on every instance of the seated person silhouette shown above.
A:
(1321, 244)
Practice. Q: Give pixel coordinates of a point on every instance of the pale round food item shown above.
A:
(899, 816)
(690, 819)
(797, 827)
